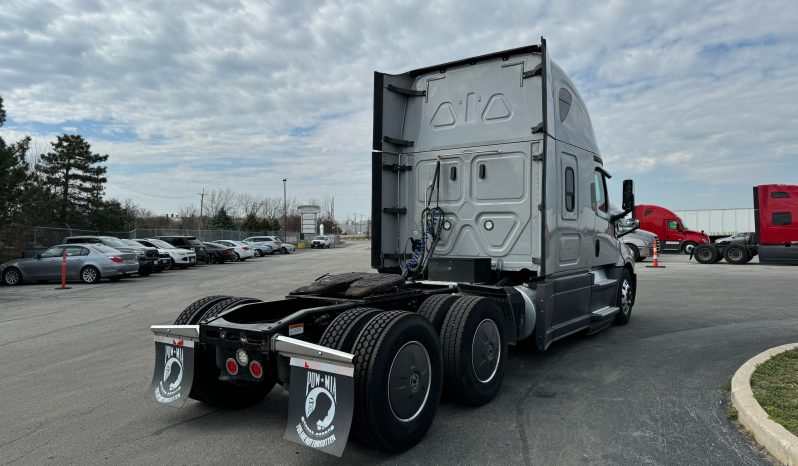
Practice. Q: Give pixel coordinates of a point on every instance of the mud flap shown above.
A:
(174, 363)
(320, 405)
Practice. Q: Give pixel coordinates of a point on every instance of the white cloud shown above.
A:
(210, 92)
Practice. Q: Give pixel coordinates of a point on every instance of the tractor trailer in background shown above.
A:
(491, 226)
(673, 235)
(775, 236)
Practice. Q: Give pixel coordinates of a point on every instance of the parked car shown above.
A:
(242, 250)
(641, 243)
(86, 262)
(147, 258)
(178, 257)
(743, 237)
(261, 249)
(219, 253)
(286, 248)
(163, 262)
(273, 241)
(321, 242)
(188, 242)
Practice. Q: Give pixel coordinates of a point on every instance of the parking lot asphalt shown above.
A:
(77, 363)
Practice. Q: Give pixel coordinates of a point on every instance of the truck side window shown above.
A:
(673, 224)
(565, 103)
(782, 218)
(570, 192)
(600, 186)
(779, 195)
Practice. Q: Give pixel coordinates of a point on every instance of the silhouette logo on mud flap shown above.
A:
(174, 367)
(320, 405)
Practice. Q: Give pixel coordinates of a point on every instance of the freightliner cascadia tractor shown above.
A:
(491, 226)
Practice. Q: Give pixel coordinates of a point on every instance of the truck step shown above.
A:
(604, 312)
(604, 282)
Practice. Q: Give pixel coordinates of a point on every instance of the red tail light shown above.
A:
(118, 260)
(245, 248)
(227, 251)
(256, 369)
(232, 366)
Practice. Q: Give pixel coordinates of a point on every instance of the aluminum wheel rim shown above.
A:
(736, 254)
(409, 381)
(626, 297)
(486, 351)
(89, 275)
(12, 277)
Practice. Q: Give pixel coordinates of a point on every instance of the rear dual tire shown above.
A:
(398, 374)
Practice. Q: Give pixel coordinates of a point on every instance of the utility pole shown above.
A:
(285, 210)
(333, 213)
(202, 204)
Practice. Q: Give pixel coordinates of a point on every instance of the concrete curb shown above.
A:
(777, 440)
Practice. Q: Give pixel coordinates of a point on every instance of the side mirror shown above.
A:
(38, 256)
(628, 195)
(626, 226)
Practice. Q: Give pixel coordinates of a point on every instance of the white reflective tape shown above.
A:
(323, 367)
(174, 341)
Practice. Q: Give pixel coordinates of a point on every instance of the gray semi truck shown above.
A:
(491, 226)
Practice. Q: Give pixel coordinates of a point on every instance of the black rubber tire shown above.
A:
(687, 246)
(8, 281)
(435, 308)
(197, 307)
(206, 386)
(635, 252)
(86, 279)
(342, 332)
(458, 336)
(624, 314)
(223, 305)
(146, 270)
(706, 253)
(238, 258)
(379, 343)
(283, 251)
(735, 254)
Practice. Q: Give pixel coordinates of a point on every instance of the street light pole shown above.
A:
(285, 210)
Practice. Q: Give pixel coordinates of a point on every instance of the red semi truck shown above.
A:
(669, 228)
(776, 237)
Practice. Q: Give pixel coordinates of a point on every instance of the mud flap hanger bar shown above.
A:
(184, 332)
(291, 347)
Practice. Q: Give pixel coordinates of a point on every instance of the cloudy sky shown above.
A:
(695, 100)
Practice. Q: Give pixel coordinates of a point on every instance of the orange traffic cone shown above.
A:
(656, 265)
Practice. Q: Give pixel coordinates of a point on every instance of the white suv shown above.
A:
(321, 242)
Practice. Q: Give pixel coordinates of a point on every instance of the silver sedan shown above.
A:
(85, 262)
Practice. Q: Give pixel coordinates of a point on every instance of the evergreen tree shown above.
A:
(76, 175)
(14, 175)
(222, 221)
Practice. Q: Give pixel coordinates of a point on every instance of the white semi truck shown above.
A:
(491, 226)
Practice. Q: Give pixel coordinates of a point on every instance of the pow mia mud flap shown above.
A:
(174, 364)
(320, 405)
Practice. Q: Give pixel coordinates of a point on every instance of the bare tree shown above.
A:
(221, 199)
(249, 204)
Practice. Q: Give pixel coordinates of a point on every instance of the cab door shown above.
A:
(605, 245)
